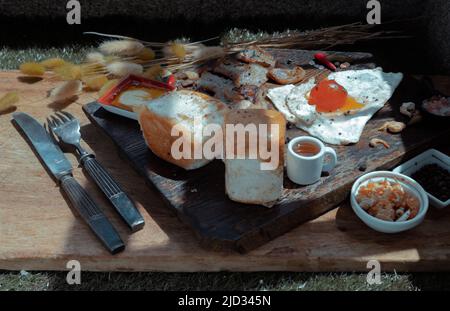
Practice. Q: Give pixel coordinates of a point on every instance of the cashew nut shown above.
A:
(393, 126)
(375, 141)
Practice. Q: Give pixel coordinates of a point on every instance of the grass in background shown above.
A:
(202, 281)
(10, 59)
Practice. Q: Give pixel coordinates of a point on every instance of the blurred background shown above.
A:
(42, 23)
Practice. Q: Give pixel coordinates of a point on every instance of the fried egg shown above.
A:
(336, 110)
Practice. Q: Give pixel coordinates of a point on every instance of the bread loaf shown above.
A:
(248, 179)
(179, 108)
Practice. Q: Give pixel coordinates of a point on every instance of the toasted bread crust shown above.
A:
(258, 116)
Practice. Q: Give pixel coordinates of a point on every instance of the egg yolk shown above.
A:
(327, 96)
(350, 104)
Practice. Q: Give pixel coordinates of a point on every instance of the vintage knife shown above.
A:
(57, 163)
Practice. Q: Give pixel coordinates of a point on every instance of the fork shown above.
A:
(67, 128)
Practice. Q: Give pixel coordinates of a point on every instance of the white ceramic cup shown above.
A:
(306, 170)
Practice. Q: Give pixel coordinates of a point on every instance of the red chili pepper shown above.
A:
(171, 80)
(322, 58)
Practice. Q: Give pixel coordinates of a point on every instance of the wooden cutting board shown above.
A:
(198, 197)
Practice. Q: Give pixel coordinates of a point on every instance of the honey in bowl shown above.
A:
(306, 149)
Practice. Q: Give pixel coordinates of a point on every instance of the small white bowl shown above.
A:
(431, 156)
(383, 225)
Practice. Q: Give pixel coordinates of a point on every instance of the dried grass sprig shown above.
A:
(66, 90)
(8, 101)
(121, 47)
(121, 69)
(323, 38)
(179, 54)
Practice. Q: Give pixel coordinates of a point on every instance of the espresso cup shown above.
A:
(306, 170)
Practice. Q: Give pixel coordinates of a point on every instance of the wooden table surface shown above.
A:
(40, 231)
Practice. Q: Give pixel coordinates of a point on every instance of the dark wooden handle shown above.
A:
(92, 214)
(121, 202)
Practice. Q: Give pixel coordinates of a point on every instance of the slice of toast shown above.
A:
(242, 74)
(254, 54)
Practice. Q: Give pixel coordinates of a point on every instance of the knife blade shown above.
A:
(57, 163)
(52, 156)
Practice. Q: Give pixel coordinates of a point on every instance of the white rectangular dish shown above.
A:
(431, 156)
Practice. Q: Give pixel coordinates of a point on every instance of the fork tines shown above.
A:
(59, 118)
